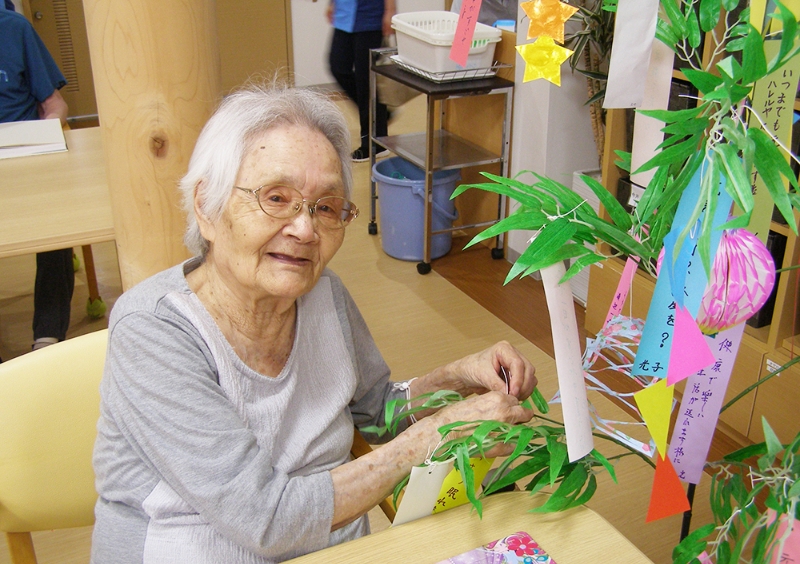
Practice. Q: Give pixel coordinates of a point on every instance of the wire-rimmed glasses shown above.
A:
(283, 202)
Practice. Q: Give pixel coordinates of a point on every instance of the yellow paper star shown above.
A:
(547, 17)
(543, 59)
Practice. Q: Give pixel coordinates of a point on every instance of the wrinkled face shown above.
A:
(260, 257)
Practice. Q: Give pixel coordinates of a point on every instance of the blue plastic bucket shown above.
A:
(401, 190)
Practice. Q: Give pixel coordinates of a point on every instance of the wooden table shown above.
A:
(56, 200)
(573, 537)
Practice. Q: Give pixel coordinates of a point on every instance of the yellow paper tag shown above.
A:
(453, 492)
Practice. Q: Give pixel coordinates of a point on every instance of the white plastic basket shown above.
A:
(424, 40)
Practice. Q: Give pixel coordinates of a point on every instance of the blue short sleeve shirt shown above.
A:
(354, 16)
(28, 74)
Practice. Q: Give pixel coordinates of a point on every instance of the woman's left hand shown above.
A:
(481, 372)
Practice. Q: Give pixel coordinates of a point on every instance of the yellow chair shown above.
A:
(49, 406)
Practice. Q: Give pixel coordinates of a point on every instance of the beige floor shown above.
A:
(419, 322)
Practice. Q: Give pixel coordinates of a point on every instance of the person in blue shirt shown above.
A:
(29, 89)
(358, 26)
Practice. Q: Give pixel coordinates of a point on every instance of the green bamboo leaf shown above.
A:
(774, 446)
(620, 239)
(695, 37)
(652, 195)
(723, 552)
(704, 240)
(567, 197)
(789, 29)
(678, 23)
(550, 239)
(558, 454)
(482, 432)
(618, 215)
(666, 34)
(586, 260)
(398, 489)
(468, 477)
(729, 5)
(567, 251)
(673, 116)
(770, 164)
(738, 185)
(754, 63)
(623, 161)
(573, 482)
(523, 470)
(521, 219)
(739, 222)
(539, 401)
(709, 14)
(586, 495)
(691, 547)
(676, 153)
(606, 464)
(704, 81)
(689, 127)
(515, 190)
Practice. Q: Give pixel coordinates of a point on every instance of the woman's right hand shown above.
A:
(497, 406)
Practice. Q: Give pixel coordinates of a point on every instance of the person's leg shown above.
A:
(55, 282)
(363, 42)
(340, 61)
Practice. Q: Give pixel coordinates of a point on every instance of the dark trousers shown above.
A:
(349, 63)
(55, 281)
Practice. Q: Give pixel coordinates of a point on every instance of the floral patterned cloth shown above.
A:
(518, 548)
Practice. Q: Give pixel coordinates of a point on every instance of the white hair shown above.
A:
(225, 138)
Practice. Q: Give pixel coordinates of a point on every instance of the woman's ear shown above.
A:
(206, 226)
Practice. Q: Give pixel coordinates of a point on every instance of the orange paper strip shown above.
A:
(667, 497)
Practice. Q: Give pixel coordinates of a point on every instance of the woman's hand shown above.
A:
(480, 372)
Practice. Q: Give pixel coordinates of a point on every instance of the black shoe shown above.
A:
(361, 154)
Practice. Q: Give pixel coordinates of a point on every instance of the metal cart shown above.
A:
(437, 149)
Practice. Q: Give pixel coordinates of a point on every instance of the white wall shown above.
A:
(311, 37)
(552, 133)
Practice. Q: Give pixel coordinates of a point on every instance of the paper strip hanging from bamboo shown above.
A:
(682, 281)
(667, 497)
(655, 405)
(569, 366)
(647, 134)
(700, 405)
(623, 287)
(689, 352)
(634, 33)
(422, 491)
(773, 101)
(453, 493)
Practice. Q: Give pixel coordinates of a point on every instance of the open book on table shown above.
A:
(22, 138)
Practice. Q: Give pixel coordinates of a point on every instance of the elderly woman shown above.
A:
(233, 380)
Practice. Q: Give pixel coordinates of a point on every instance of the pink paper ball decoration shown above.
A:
(740, 282)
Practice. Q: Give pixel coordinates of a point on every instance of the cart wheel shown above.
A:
(497, 254)
(373, 228)
(95, 309)
(423, 267)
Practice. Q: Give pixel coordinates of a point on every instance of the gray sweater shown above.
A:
(201, 459)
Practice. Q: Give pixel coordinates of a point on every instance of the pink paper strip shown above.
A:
(700, 405)
(689, 352)
(791, 547)
(465, 29)
(622, 289)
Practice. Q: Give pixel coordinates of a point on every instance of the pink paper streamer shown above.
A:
(467, 18)
(689, 352)
(700, 405)
(622, 289)
(790, 551)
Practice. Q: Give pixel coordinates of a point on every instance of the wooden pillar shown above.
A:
(156, 77)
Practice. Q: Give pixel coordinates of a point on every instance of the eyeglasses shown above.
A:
(282, 202)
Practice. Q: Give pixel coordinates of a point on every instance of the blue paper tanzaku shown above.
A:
(682, 281)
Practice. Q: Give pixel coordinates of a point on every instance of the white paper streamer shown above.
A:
(421, 492)
(569, 366)
(647, 134)
(634, 33)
